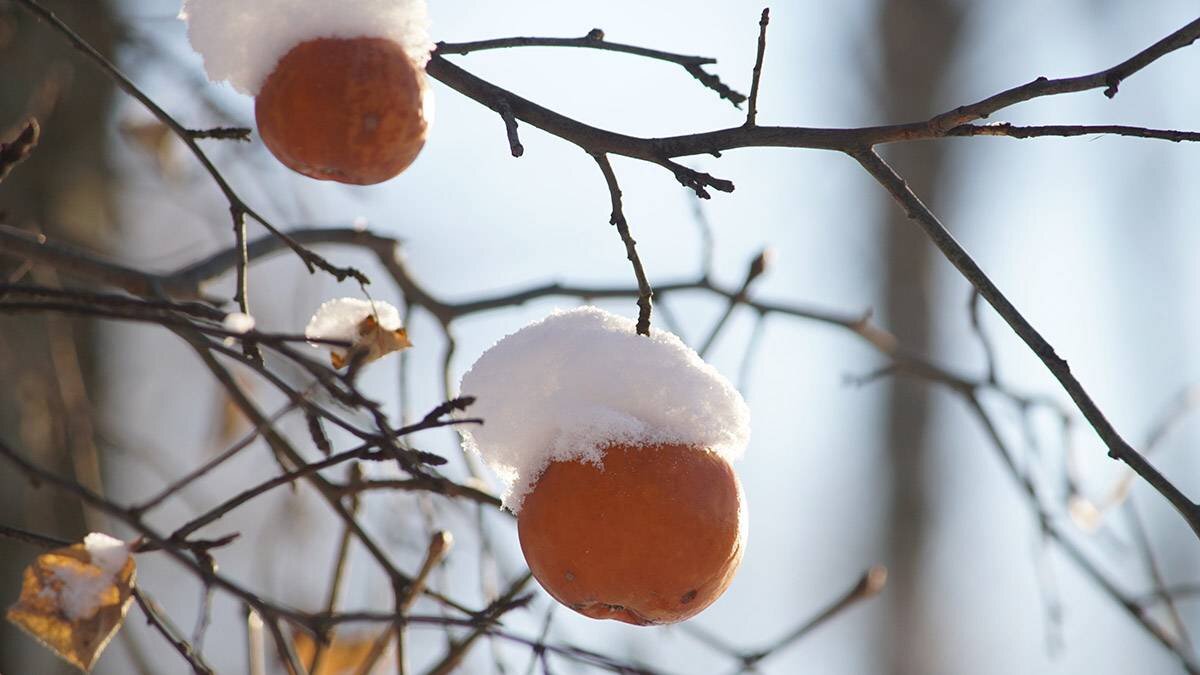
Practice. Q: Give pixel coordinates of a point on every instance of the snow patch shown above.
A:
(340, 319)
(242, 40)
(84, 587)
(238, 322)
(107, 553)
(579, 380)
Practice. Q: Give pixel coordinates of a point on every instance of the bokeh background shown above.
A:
(1092, 238)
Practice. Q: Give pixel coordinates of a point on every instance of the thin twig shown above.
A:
(755, 270)
(510, 128)
(1008, 130)
(622, 225)
(601, 141)
(208, 466)
(868, 586)
(595, 40)
(1146, 550)
(340, 564)
(985, 342)
(156, 618)
(752, 113)
(458, 649)
(439, 547)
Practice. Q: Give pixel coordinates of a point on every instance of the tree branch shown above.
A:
(1118, 447)
(595, 40)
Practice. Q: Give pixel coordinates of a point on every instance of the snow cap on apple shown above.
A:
(580, 380)
(241, 41)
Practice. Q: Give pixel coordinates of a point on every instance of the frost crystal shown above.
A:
(241, 40)
(569, 385)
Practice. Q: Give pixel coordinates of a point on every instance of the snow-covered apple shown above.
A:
(340, 88)
(615, 450)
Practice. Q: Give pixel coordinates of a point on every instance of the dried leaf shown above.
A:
(73, 599)
(342, 656)
(373, 342)
(371, 327)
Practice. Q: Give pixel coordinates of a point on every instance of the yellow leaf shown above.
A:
(342, 656)
(74, 599)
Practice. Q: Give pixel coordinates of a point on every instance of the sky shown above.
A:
(1089, 237)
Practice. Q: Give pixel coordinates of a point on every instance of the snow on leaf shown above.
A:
(371, 327)
(73, 599)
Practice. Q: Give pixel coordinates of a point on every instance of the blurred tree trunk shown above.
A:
(47, 362)
(918, 40)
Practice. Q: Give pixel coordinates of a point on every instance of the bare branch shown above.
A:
(868, 586)
(595, 40)
(1118, 447)
(158, 619)
(657, 150)
(1068, 130)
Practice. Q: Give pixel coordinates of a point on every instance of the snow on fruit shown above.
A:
(615, 452)
(340, 89)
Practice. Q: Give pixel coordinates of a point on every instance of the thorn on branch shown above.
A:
(221, 133)
(18, 150)
(752, 115)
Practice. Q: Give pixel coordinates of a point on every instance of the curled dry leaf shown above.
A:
(371, 327)
(73, 599)
(373, 342)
